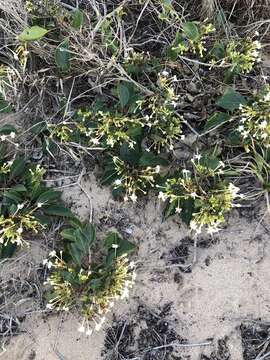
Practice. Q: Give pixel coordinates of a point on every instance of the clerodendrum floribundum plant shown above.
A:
(25, 203)
(202, 196)
(87, 284)
(254, 121)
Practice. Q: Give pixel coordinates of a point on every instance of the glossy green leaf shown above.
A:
(123, 246)
(17, 168)
(216, 119)
(62, 56)
(32, 33)
(123, 94)
(191, 31)
(48, 196)
(77, 18)
(4, 105)
(231, 100)
(57, 211)
(150, 159)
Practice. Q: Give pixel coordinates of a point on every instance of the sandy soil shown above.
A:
(226, 286)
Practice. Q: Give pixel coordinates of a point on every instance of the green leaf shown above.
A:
(4, 105)
(150, 159)
(218, 51)
(216, 119)
(123, 94)
(17, 168)
(39, 128)
(62, 56)
(77, 18)
(169, 209)
(231, 100)
(48, 196)
(7, 129)
(68, 234)
(187, 210)
(132, 156)
(191, 31)
(57, 211)
(124, 246)
(82, 241)
(32, 33)
(7, 250)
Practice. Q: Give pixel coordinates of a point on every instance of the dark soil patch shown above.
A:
(222, 352)
(256, 340)
(147, 336)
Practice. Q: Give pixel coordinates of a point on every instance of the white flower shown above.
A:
(221, 163)
(12, 134)
(245, 134)
(233, 190)
(118, 182)
(125, 198)
(178, 210)
(16, 57)
(171, 147)
(133, 197)
(157, 170)
(212, 229)
(162, 196)
(3, 137)
(20, 206)
(267, 97)
(39, 204)
(95, 141)
(45, 261)
(125, 293)
(81, 329)
(193, 225)
(134, 276)
(193, 195)
(52, 253)
(49, 306)
(49, 264)
(132, 265)
(240, 128)
(165, 73)
(98, 327)
(110, 142)
(115, 246)
(65, 308)
(89, 332)
(197, 157)
(263, 124)
(185, 171)
(20, 230)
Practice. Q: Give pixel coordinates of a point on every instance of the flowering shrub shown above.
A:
(254, 121)
(86, 285)
(25, 201)
(192, 38)
(133, 172)
(201, 196)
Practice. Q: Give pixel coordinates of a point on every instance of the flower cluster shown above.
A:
(133, 180)
(200, 194)
(92, 292)
(163, 126)
(192, 38)
(254, 121)
(97, 129)
(13, 227)
(242, 55)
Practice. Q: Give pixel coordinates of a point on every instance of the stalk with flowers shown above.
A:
(87, 285)
(200, 195)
